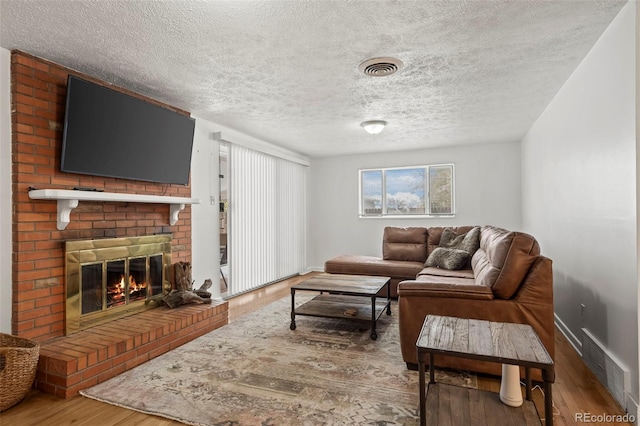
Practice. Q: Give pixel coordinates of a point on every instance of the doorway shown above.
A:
(224, 177)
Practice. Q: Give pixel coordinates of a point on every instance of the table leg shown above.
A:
(527, 382)
(548, 377)
(292, 326)
(423, 394)
(548, 405)
(374, 334)
(432, 369)
(389, 297)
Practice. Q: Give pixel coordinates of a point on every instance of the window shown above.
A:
(404, 191)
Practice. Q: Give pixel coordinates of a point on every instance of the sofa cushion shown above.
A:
(408, 244)
(503, 259)
(435, 233)
(370, 265)
(450, 287)
(448, 258)
(468, 241)
(462, 273)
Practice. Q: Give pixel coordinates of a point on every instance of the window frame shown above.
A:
(383, 211)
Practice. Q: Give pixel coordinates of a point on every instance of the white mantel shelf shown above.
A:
(68, 200)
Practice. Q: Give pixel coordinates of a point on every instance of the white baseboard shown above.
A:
(632, 408)
(314, 269)
(573, 340)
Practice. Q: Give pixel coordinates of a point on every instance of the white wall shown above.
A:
(487, 189)
(5, 191)
(579, 194)
(638, 166)
(205, 237)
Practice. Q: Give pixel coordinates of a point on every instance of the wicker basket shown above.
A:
(18, 363)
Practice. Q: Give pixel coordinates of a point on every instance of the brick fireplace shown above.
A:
(69, 363)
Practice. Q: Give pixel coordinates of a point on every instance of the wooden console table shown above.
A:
(506, 343)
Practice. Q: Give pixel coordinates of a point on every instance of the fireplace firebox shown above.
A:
(115, 277)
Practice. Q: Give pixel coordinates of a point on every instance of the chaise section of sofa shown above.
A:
(404, 251)
(398, 270)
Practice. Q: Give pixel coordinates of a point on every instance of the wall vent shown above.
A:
(606, 367)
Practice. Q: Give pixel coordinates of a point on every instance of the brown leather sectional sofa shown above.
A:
(506, 280)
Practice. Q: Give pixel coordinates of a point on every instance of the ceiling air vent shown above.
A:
(381, 67)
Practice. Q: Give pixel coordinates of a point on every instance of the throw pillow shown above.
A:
(447, 258)
(469, 241)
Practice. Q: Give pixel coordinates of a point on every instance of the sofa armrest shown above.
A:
(452, 289)
(537, 286)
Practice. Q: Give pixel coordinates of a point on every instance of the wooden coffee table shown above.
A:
(349, 296)
(506, 343)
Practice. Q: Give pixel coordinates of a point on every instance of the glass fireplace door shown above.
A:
(92, 291)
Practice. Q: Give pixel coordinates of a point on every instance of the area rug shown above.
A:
(256, 371)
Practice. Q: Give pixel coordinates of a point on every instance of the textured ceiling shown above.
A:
(287, 71)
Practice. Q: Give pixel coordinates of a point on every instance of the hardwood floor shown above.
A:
(576, 389)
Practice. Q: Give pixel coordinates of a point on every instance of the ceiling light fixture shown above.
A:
(373, 127)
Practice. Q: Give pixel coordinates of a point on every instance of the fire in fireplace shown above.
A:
(127, 280)
(114, 277)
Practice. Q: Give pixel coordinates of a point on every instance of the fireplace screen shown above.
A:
(125, 281)
(116, 286)
(115, 277)
(91, 288)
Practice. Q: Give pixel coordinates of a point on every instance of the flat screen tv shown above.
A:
(108, 133)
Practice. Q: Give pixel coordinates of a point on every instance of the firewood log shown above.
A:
(206, 284)
(182, 271)
(180, 297)
(202, 291)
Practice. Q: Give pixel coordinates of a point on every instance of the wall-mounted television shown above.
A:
(109, 133)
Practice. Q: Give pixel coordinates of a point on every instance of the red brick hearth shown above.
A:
(72, 362)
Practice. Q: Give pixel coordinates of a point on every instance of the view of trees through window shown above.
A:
(424, 190)
(441, 189)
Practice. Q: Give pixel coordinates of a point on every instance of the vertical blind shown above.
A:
(266, 218)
